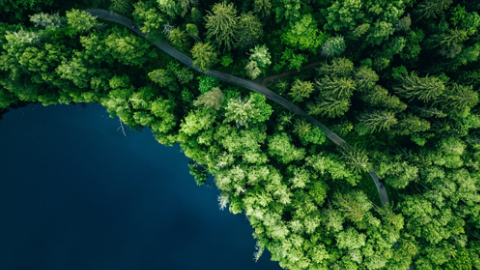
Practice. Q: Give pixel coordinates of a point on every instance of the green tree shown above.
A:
(336, 88)
(80, 21)
(179, 39)
(199, 173)
(150, 19)
(288, 10)
(162, 77)
(380, 97)
(255, 110)
(262, 7)
(197, 121)
(340, 67)
(204, 55)
(378, 120)
(433, 8)
(7, 98)
(121, 6)
(425, 89)
(249, 30)
(301, 90)
(360, 30)
(47, 21)
(334, 46)
(304, 34)
(253, 71)
(365, 78)
(411, 124)
(459, 99)
(344, 14)
(211, 99)
(329, 107)
(192, 31)
(222, 25)
(169, 7)
(350, 239)
(261, 55)
(280, 147)
(129, 49)
(356, 158)
(379, 33)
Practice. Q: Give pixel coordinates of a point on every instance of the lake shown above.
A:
(75, 193)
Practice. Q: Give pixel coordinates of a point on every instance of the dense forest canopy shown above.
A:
(397, 80)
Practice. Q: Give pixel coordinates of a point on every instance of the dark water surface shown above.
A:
(76, 194)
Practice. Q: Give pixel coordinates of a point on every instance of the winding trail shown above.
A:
(253, 86)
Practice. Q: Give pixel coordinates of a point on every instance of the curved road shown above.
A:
(111, 16)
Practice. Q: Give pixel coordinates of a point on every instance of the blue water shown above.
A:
(76, 194)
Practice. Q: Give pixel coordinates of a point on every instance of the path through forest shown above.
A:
(248, 84)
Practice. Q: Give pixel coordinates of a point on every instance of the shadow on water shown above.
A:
(76, 194)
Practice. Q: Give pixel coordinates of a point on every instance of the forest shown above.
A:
(347, 131)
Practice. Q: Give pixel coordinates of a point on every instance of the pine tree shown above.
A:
(425, 89)
(365, 78)
(340, 67)
(249, 30)
(336, 88)
(121, 6)
(380, 97)
(179, 39)
(356, 158)
(204, 55)
(459, 99)
(192, 31)
(360, 30)
(329, 107)
(222, 25)
(334, 46)
(301, 90)
(432, 8)
(262, 7)
(378, 120)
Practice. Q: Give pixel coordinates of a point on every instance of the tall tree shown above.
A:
(204, 55)
(222, 25)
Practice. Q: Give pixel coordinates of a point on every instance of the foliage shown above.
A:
(80, 21)
(301, 90)
(304, 34)
(400, 79)
(204, 55)
(222, 25)
(249, 30)
(211, 99)
(334, 46)
(199, 173)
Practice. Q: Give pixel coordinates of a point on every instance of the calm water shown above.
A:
(76, 194)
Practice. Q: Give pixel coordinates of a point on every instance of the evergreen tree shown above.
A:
(340, 67)
(336, 88)
(249, 30)
(425, 89)
(301, 90)
(222, 25)
(329, 107)
(204, 55)
(365, 78)
(333, 46)
(378, 120)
